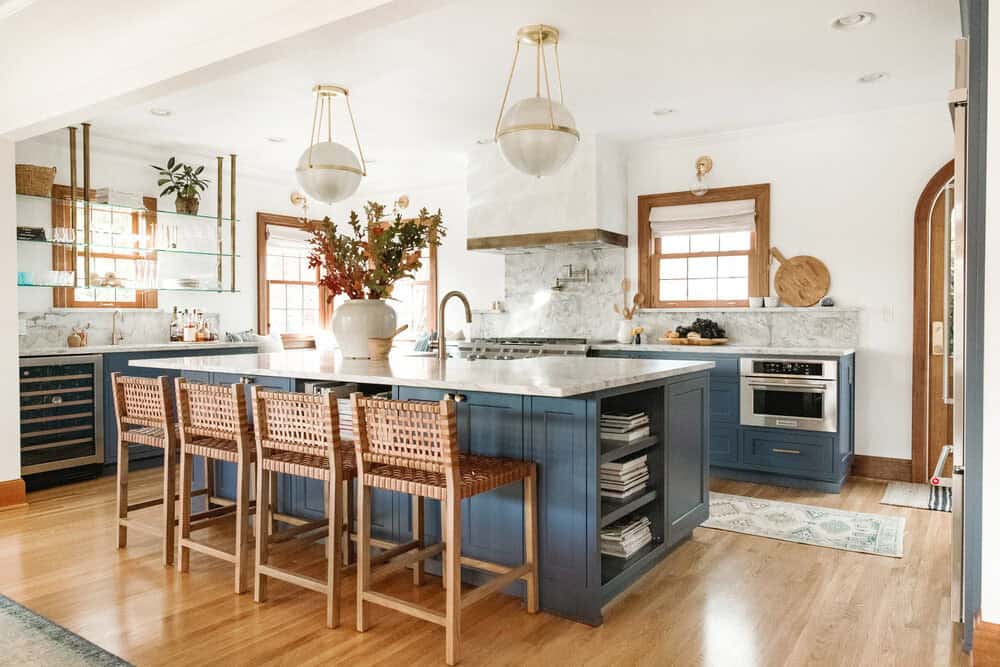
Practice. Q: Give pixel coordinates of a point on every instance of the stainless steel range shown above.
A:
(513, 347)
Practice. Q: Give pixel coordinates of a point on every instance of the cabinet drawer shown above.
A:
(788, 451)
(724, 445)
(724, 402)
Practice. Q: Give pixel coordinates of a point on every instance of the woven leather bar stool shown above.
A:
(213, 424)
(144, 413)
(412, 447)
(299, 434)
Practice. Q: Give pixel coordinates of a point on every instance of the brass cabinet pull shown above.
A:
(785, 451)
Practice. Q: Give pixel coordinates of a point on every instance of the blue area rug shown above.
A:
(29, 639)
(808, 524)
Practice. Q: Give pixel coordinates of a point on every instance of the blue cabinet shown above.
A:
(725, 403)
(791, 452)
(687, 452)
(724, 444)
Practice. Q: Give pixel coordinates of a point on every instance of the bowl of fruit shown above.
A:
(700, 332)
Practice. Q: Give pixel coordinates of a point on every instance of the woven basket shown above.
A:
(34, 180)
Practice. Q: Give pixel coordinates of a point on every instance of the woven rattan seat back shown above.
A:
(410, 434)
(212, 411)
(142, 401)
(302, 423)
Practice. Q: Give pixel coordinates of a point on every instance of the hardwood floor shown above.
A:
(719, 599)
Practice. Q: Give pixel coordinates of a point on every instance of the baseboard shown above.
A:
(986, 644)
(881, 467)
(12, 494)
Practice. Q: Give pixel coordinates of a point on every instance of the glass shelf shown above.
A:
(143, 289)
(125, 249)
(118, 208)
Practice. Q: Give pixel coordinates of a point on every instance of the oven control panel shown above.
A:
(777, 367)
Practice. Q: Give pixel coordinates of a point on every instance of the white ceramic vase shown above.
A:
(624, 332)
(357, 320)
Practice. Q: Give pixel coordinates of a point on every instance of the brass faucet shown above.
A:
(442, 342)
(115, 336)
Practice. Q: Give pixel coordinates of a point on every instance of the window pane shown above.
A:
(310, 320)
(277, 321)
(704, 243)
(310, 297)
(732, 288)
(702, 267)
(670, 245)
(419, 314)
(734, 241)
(294, 321)
(305, 273)
(673, 290)
(274, 268)
(702, 290)
(277, 296)
(291, 268)
(673, 268)
(294, 297)
(733, 266)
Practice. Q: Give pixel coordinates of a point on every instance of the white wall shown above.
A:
(991, 361)
(10, 458)
(843, 189)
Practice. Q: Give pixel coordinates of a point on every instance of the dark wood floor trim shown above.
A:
(12, 494)
(881, 467)
(986, 644)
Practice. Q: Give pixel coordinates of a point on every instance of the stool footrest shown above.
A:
(302, 580)
(152, 502)
(208, 551)
(132, 524)
(405, 607)
(298, 530)
(480, 592)
(402, 561)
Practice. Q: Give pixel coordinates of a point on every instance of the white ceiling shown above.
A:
(426, 88)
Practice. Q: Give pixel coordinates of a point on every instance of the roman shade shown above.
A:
(709, 218)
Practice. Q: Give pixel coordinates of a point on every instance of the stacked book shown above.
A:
(624, 427)
(622, 479)
(625, 537)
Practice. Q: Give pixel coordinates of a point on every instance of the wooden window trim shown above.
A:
(759, 276)
(63, 260)
(263, 298)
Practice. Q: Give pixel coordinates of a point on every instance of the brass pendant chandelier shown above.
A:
(537, 135)
(329, 171)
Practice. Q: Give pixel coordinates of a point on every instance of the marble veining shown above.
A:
(48, 330)
(540, 376)
(139, 347)
(727, 349)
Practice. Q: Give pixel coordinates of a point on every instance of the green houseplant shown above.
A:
(365, 265)
(184, 180)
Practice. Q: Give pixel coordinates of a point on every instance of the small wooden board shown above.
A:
(801, 281)
(695, 341)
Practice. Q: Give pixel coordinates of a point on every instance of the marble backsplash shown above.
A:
(586, 310)
(50, 328)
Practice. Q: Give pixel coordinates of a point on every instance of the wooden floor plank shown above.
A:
(719, 599)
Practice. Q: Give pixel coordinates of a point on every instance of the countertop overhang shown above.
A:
(541, 376)
(727, 349)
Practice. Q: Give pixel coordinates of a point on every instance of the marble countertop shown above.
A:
(135, 347)
(728, 349)
(540, 376)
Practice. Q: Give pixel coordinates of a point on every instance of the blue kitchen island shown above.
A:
(544, 409)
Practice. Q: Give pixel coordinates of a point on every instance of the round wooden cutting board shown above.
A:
(800, 281)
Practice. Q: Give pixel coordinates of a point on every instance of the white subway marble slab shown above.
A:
(540, 376)
(138, 347)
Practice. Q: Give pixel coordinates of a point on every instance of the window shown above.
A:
(289, 300)
(415, 299)
(708, 251)
(113, 233)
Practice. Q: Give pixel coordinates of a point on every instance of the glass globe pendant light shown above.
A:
(537, 135)
(329, 171)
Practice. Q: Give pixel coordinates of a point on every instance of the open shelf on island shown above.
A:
(612, 450)
(118, 208)
(612, 510)
(612, 566)
(125, 249)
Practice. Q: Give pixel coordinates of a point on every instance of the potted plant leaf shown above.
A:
(184, 180)
(365, 265)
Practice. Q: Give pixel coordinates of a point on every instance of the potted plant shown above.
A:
(184, 180)
(365, 265)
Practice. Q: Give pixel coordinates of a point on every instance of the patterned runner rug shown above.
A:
(808, 524)
(30, 639)
(921, 496)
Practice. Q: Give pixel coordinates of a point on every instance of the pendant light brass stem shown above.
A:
(218, 219)
(324, 106)
(548, 90)
(72, 200)
(357, 140)
(537, 35)
(506, 91)
(232, 220)
(86, 204)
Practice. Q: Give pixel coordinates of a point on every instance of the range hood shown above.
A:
(582, 206)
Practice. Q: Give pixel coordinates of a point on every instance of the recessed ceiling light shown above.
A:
(160, 112)
(276, 140)
(853, 20)
(873, 77)
(483, 142)
(664, 111)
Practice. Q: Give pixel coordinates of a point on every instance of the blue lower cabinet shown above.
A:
(724, 444)
(789, 452)
(724, 406)
(687, 453)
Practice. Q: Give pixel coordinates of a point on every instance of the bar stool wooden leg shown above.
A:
(209, 470)
(272, 500)
(122, 495)
(242, 533)
(335, 519)
(348, 505)
(417, 522)
(453, 596)
(169, 502)
(531, 539)
(364, 551)
(444, 561)
(265, 486)
(183, 552)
